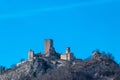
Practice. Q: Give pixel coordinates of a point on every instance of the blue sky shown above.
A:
(84, 25)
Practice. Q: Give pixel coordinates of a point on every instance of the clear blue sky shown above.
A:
(84, 25)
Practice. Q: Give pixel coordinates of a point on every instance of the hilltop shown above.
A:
(54, 66)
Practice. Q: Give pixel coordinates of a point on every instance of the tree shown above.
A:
(13, 65)
(2, 69)
(110, 56)
(22, 60)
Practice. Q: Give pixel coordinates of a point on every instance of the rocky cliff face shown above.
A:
(98, 67)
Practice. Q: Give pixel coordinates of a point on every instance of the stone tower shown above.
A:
(68, 50)
(48, 47)
(68, 55)
(48, 44)
(30, 54)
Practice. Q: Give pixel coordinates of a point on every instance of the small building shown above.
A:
(68, 55)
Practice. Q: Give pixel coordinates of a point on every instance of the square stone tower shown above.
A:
(48, 45)
(68, 55)
(30, 54)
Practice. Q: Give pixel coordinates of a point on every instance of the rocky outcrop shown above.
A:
(98, 67)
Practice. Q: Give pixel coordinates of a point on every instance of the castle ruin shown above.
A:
(49, 51)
